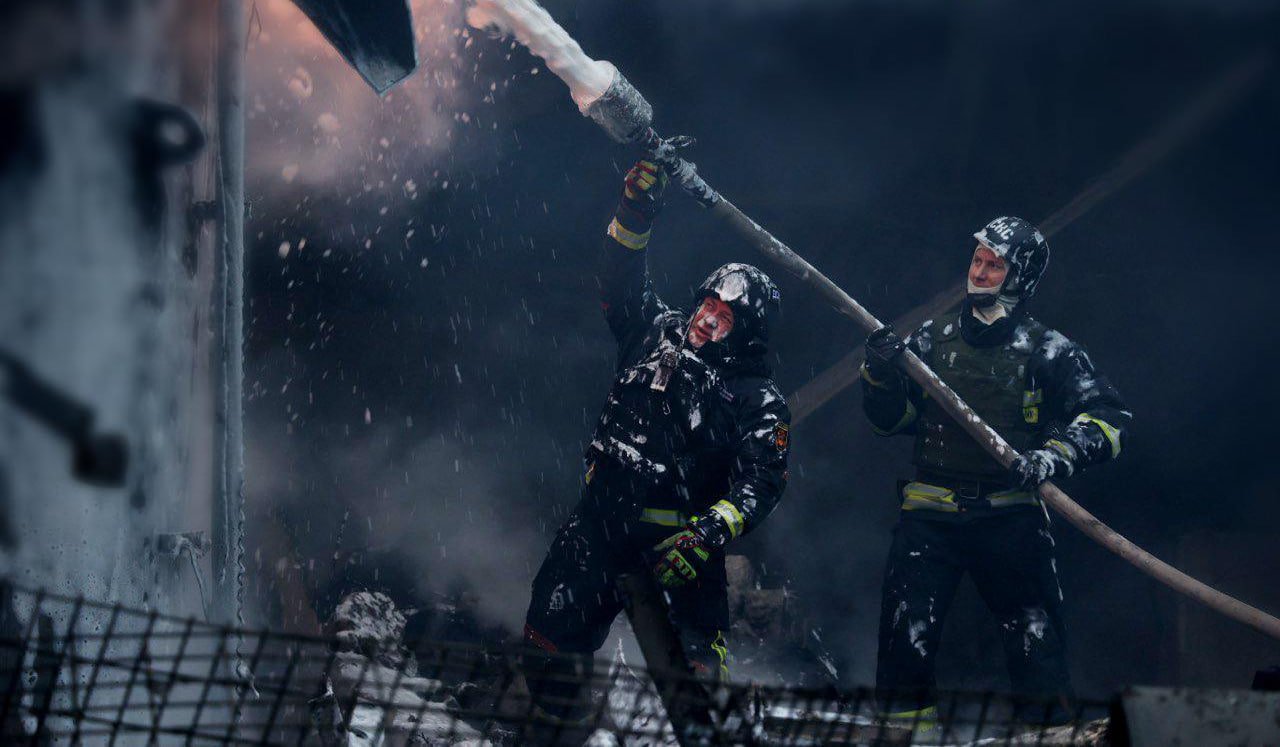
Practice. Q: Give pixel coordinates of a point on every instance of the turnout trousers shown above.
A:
(575, 598)
(1009, 555)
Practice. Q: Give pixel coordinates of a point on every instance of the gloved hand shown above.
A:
(1033, 468)
(685, 553)
(642, 189)
(883, 348)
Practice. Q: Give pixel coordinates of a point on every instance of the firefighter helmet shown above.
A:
(1025, 252)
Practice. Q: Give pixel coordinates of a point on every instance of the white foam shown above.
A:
(534, 27)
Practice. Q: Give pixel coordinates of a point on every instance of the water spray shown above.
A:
(604, 94)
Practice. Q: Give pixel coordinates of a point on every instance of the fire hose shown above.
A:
(603, 94)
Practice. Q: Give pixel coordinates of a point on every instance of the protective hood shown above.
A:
(754, 300)
(985, 303)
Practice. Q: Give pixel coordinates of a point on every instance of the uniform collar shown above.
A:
(981, 335)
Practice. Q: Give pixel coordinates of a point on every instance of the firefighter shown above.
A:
(689, 453)
(963, 512)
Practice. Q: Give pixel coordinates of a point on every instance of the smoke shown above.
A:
(449, 516)
(424, 487)
(312, 119)
(454, 517)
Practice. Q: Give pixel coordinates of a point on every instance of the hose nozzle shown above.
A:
(621, 111)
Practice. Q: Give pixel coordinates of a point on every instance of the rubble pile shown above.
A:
(1091, 734)
(376, 695)
(374, 687)
(368, 623)
(771, 639)
(632, 707)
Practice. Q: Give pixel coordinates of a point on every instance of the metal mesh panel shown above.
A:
(76, 671)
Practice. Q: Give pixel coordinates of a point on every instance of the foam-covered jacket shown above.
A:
(1031, 383)
(707, 432)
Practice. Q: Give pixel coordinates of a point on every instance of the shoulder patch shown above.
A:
(781, 435)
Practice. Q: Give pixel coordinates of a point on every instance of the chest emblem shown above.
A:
(781, 436)
(1031, 401)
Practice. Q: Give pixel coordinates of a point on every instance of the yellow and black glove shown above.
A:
(643, 187)
(686, 553)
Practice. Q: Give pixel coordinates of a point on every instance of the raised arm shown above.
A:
(626, 293)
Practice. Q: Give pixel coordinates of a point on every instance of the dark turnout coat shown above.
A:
(683, 434)
(719, 427)
(1029, 382)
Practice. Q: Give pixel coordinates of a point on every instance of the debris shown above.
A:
(375, 677)
(369, 624)
(771, 638)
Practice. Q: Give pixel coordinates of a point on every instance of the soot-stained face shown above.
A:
(712, 322)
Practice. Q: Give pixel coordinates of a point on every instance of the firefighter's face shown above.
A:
(712, 322)
(986, 270)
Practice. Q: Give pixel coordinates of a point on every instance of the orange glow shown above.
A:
(313, 119)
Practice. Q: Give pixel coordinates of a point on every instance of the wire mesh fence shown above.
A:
(74, 671)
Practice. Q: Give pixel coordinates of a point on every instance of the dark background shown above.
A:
(436, 388)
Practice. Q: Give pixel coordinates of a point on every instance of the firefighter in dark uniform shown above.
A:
(689, 453)
(963, 512)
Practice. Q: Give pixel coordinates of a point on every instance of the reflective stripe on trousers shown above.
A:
(918, 496)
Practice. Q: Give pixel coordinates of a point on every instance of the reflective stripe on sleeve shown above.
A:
(866, 374)
(731, 515)
(628, 238)
(908, 417)
(1110, 431)
(1065, 449)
